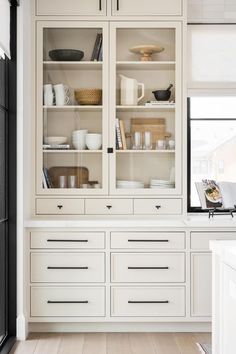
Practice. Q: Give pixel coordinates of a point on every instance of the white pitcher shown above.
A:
(129, 91)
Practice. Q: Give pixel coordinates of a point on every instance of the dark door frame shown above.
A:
(12, 200)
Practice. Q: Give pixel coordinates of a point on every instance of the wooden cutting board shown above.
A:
(156, 126)
(82, 174)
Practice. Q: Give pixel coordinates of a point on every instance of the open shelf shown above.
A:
(146, 151)
(163, 107)
(72, 65)
(73, 108)
(48, 151)
(145, 65)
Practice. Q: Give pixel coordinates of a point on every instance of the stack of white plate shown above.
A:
(129, 184)
(160, 183)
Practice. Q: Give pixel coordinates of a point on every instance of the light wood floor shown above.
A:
(111, 343)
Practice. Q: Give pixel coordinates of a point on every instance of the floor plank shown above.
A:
(141, 343)
(118, 343)
(71, 342)
(49, 343)
(94, 343)
(186, 343)
(165, 343)
(28, 346)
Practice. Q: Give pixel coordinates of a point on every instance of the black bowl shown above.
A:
(66, 54)
(162, 95)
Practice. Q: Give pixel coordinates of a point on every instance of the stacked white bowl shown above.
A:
(79, 139)
(129, 184)
(160, 183)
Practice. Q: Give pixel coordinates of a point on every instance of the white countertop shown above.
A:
(226, 250)
(198, 221)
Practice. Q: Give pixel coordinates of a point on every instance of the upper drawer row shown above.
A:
(100, 7)
(108, 206)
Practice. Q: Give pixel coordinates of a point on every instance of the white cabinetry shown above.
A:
(71, 7)
(147, 8)
(201, 284)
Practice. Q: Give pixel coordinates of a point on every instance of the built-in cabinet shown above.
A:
(71, 8)
(147, 162)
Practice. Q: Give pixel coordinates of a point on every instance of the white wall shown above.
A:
(218, 11)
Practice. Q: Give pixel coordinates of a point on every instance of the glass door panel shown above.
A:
(73, 110)
(145, 133)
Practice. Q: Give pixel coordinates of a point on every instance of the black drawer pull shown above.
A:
(100, 5)
(148, 240)
(148, 267)
(67, 267)
(117, 5)
(60, 207)
(109, 206)
(148, 302)
(67, 302)
(54, 240)
(158, 207)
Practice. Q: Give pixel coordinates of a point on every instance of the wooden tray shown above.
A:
(82, 174)
(156, 126)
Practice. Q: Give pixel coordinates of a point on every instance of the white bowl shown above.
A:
(76, 133)
(79, 145)
(93, 141)
(55, 140)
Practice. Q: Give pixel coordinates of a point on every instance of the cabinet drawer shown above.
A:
(57, 240)
(147, 8)
(200, 240)
(153, 240)
(109, 206)
(67, 302)
(147, 267)
(67, 267)
(157, 206)
(59, 206)
(70, 7)
(148, 301)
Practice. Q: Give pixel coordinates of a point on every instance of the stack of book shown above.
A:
(97, 54)
(120, 135)
(47, 183)
(156, 103)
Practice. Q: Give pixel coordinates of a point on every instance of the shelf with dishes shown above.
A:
(72, 65)
(70, 151)
(145, 65)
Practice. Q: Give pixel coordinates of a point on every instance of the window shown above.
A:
(212, 142)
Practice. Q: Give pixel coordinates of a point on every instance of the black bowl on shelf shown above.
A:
(66, 54)
(163, 95)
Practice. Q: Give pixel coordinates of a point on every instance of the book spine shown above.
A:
(119, 134)
(48, 180)
(95, 46)
(100, 57)
(122, 130)
(117, 143)
(45, 186)
(97, 50)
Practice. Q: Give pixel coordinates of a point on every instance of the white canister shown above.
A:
(48, 95)
(62, 94)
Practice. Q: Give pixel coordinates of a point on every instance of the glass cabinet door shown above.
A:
(72, 109)
(146, 108)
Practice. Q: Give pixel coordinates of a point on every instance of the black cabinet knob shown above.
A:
(158, 207)
(109, 207)
(60, 207)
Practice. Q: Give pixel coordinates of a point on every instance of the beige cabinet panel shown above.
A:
(148, 301)
(201, 240)
(201, 284)
(147, 267)
(148, 7)
(67, 302)
(109, 206)
(65, 239)
(157, 206)
(70, 7)
(151, 240)
(67, 267)
(59, 206)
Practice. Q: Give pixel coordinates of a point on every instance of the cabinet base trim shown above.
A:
(120, 327)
